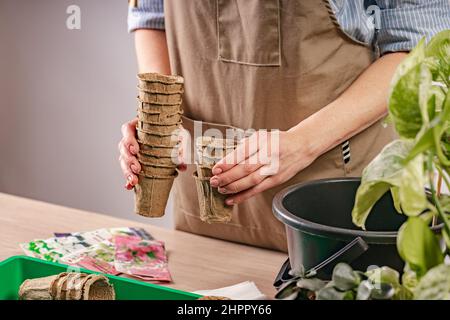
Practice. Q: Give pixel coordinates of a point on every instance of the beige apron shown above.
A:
(263, 64)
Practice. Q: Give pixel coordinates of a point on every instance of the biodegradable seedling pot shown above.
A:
(204, 171)
(157, 140)
(211, 150)
(159, 98)
(157, 87)
(54, 284)
(61, 287)
(160, 78)
(156, 160)
(212, 203)
(158, 170)
(97, 287)
(151, 195)
(167, 109)
(159, 128)
(63, 291)
(216, 152)
(213, 142)
(208, 161)
(164, 152)
(209, 157)
(37, 289)
(75, 286)
(159, 118)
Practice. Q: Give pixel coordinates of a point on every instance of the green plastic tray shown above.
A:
(15, 270)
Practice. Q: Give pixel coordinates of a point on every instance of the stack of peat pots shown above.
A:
(211, 150)
(159, 119)
(68, 286)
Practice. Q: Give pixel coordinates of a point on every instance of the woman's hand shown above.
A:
(129, 148)
(262, 161)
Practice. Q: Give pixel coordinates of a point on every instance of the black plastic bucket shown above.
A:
(319, 227)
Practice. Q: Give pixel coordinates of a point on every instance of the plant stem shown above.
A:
(436, 202)
(444, 176)
(437, 140)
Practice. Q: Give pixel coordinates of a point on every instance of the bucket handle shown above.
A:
(347, 254)
(324, 269)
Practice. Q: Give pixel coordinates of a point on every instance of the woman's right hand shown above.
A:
(128, 149)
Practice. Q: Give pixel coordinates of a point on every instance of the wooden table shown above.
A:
(196, 262)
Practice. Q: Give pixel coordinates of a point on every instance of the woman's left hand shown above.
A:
(262, 161)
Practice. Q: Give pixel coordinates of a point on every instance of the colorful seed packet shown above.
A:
(98, 257)
(54, 249)
(140, 258)
(130, 251)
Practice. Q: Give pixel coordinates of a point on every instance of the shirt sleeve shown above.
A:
(149, 14)
(403, 23)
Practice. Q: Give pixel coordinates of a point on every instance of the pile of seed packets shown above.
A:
(117, 251)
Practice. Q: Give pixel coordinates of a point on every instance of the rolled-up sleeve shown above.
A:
(149, 14)
(404, 23)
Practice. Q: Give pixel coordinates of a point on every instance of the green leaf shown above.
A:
(403, 293)
(384, 275)
(382, 291)
(437, 93)
(331, 293)
(418, 246)
(344, 278)
(445, 115)
(426, 99)
(439, 132)
(389, 276)
(389, 170)
(425, 143)
(435, 47)
(415, 57)
(364, 290)
(446, 237)
(312, 284)
(411, 185)
(431, 138)
(408, 102)
(435, 285)
(439, 49)
(395, 192)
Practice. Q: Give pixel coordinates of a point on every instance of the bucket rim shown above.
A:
(303, 225)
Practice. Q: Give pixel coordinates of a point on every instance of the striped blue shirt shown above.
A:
(385, 25)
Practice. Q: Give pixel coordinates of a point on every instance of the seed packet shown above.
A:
(144, 259)
(64, 244)
(98, 257)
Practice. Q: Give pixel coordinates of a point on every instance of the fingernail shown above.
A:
(134, 168)
(130, 178)
(217, 171)
(214, 182)
(222, 190)
(229, 202)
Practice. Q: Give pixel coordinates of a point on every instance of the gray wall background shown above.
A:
(63, 97)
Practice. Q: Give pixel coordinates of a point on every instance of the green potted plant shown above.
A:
(419, 108)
